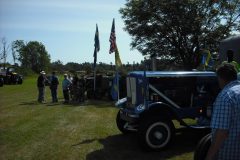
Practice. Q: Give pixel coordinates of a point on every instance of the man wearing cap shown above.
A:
(65, 86)
(41, 87)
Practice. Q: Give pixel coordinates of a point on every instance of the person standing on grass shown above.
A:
(225, 121)
(41, 87)
(65, 86)
(53, 86)
(75, 88)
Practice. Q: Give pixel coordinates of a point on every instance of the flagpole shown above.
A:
(96, 49)
(94, 81)
(117, 83)
(117, 67)
(145, 84)
(94, 87)
(113, 48)
(94, 71)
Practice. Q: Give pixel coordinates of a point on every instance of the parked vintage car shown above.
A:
(155, 99)
(1, 81)
(103, 87)
(10, 76)
(104, 84)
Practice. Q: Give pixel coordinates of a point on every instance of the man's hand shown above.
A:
(218, 139)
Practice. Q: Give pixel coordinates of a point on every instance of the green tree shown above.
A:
(4, 51)
(175, 30)
(57, 66)
(72, 66)
(17, 46)
(32, 55)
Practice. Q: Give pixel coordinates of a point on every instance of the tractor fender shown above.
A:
(163, 110)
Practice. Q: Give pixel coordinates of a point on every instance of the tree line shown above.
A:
(33, 58)
(31, 55)
(88, 67)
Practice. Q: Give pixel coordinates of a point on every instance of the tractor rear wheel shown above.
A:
(202, 147)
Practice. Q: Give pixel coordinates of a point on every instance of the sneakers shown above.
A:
(43, 102)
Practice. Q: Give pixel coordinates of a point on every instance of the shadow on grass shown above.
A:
(53, 104)
(127, 147)
(37, 103)
(100, 103)
(84, 142)
(29, 103)
(92, 103)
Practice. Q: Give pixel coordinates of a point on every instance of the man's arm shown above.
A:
(218, 139)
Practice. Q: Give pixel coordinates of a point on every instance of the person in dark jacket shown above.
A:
(54, 86)
(230, 60)
(66, 83)
(41, 87)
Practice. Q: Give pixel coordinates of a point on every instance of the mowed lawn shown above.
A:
(29, 130)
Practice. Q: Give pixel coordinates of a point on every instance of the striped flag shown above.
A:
(113, 46)
(112, 38)
(96, 46)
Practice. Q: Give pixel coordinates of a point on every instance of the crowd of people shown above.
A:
(73, 88)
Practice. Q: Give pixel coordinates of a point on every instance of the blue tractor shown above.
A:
(156, 99)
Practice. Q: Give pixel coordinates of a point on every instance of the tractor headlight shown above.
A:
(121, 102)
(140, 107)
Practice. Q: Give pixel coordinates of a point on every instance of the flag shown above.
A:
(96, 46)
(112, 38)
(206, 57)
(113, 46)
(114, 89)
(118, 61)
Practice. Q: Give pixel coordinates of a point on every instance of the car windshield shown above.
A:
(11, 69)
(1, 69)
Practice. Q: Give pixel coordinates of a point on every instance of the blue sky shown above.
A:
(67, 28)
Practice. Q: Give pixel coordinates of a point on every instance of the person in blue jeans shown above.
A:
(53, 87)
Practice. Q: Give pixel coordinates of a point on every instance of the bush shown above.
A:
(24, 71)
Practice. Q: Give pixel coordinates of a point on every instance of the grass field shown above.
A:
(29, 130)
